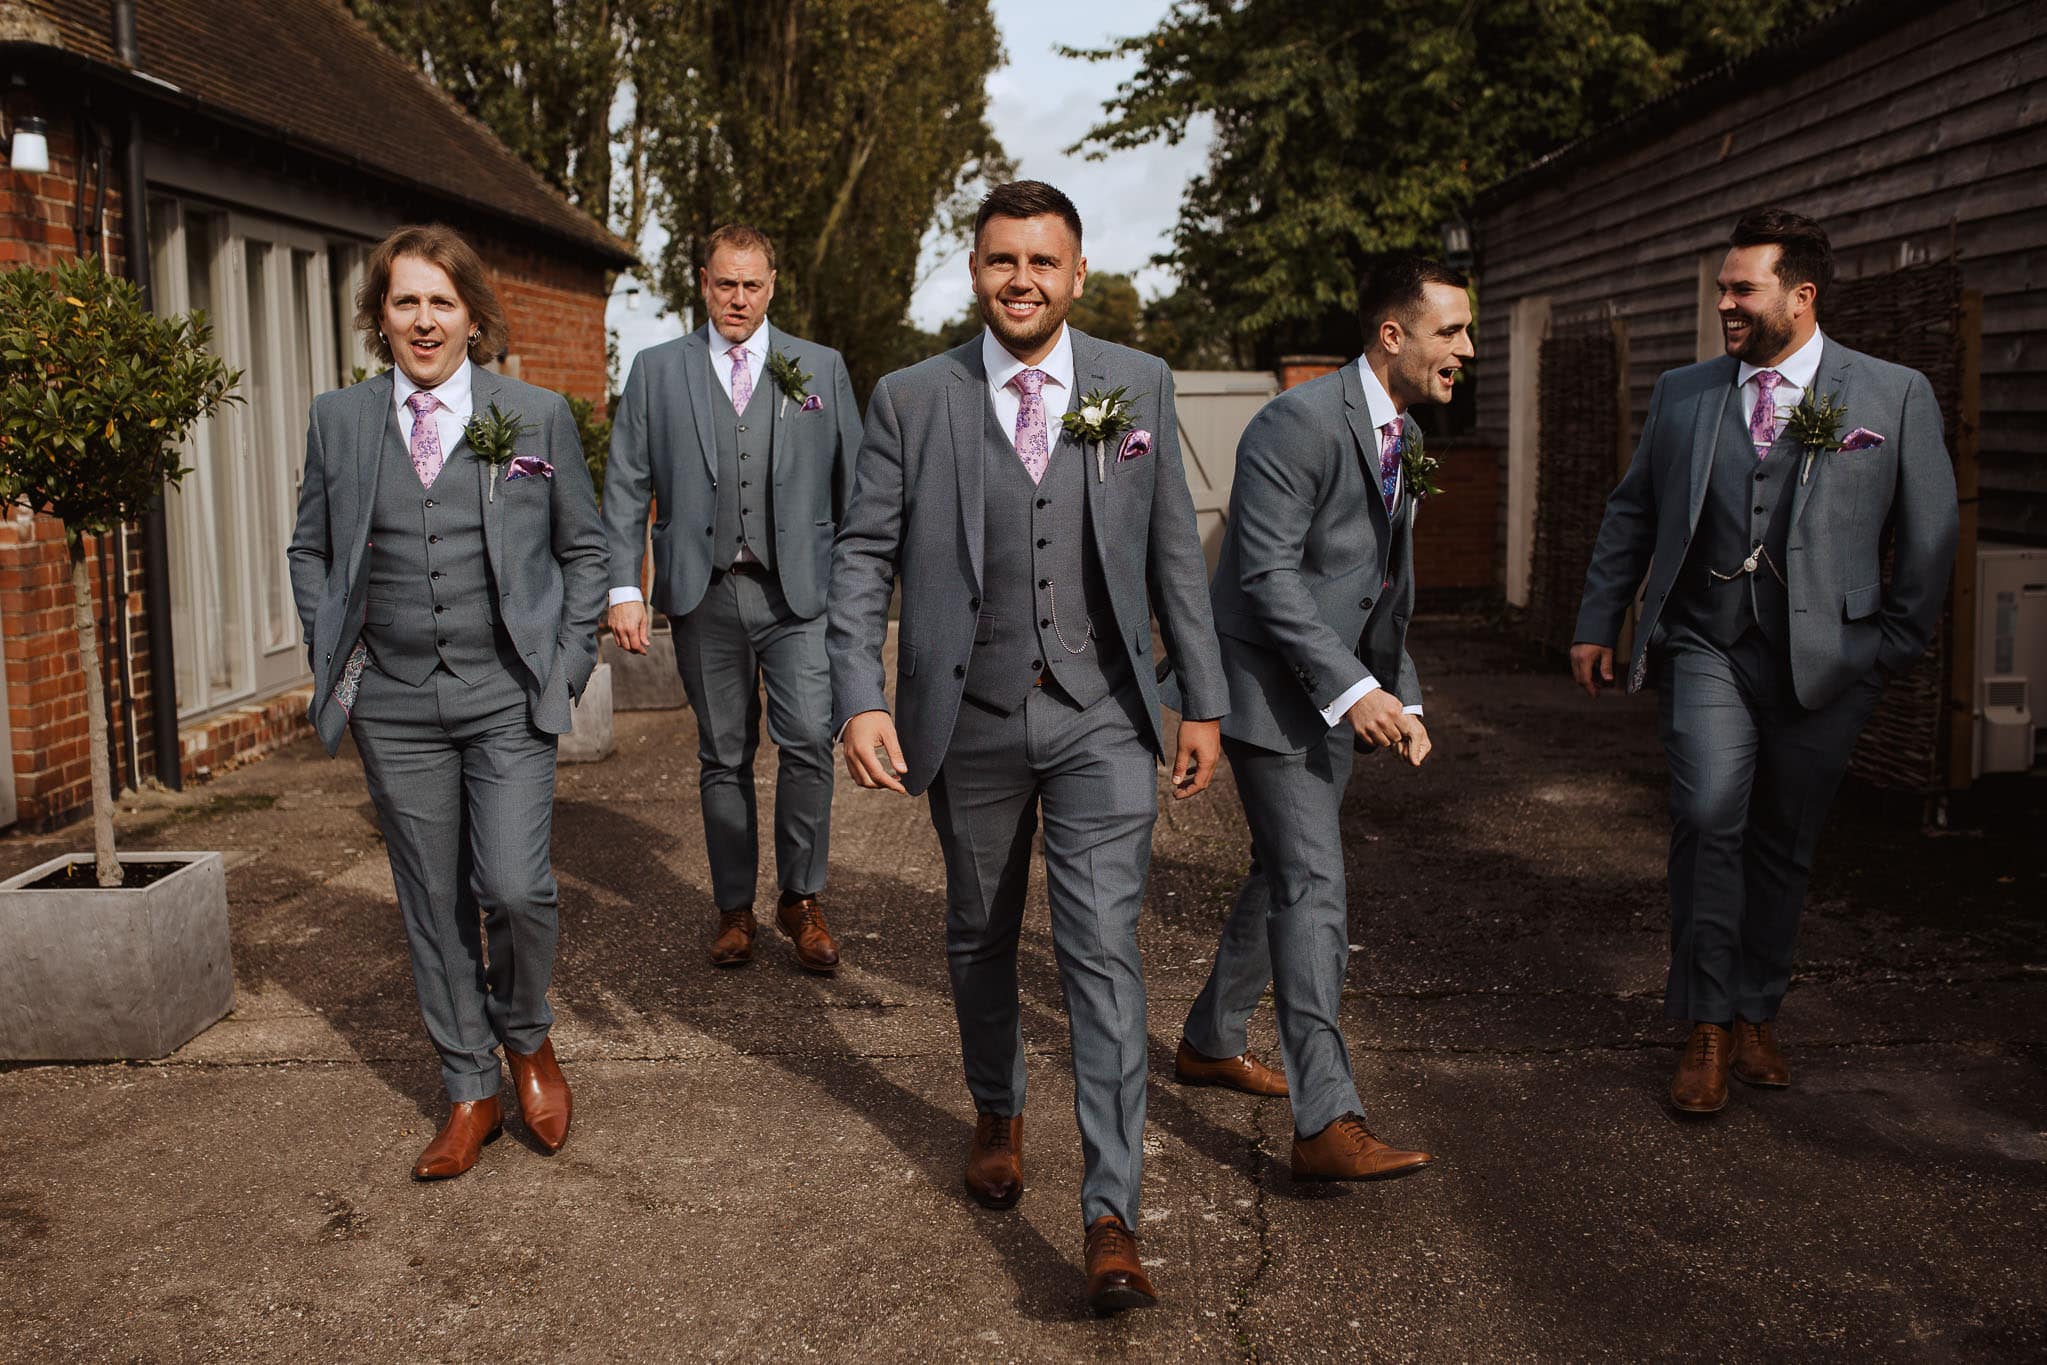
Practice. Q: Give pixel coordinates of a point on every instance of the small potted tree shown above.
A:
(103, 955)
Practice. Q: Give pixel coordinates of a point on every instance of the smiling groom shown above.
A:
(1759, 503)
(1032, 560)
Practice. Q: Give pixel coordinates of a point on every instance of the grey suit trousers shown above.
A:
(1095, 780)
(464, 790)
(1752, 773)
(740, 636)
(1289, 926)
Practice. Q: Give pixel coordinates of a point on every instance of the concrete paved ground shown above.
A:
(765, 1165)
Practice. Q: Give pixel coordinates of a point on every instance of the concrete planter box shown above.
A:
(645, 682)
(590, 739)
(128, 972)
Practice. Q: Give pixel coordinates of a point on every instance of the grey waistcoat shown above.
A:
(430, 598)
(745, 513)
(1747, 500)
(1036, 556)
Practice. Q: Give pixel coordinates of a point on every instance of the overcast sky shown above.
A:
(1041, 103)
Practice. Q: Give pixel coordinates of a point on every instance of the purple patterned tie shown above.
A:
(1762, 423)
(742, 381)
(1033, 447)
(426, 437)
(1389, 462)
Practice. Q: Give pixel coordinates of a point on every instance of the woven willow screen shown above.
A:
(1575, 470)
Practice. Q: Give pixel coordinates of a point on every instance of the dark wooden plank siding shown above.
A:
(1927, 140)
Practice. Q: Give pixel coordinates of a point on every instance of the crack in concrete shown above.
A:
(1261, 1223)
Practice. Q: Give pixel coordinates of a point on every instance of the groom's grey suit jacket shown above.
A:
(918, 511)
(542, 536)
(663, 445)
(1315, 581)
(1845, 505)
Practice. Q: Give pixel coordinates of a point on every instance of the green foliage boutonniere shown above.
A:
(1815, 425)
(491, 438)
(790, 378)
(1100, 418)
(1417, 466)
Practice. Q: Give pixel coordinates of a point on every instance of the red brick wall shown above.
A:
(555, 309)
(1458, 556)
(45, 687)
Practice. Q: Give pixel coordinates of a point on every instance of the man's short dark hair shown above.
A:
(1394, 285)
(1805, 255)
(1026, 199)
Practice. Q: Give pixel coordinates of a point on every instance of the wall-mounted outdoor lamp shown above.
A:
(1457, 243)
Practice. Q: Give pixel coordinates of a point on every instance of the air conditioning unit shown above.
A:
(2011, 658)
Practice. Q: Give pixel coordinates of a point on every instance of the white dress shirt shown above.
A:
(457, 395)
(1796, 374)
(1003, 367)
(1380, 405)
(756, 347)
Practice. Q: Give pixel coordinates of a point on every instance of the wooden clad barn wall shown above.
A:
(1925, 142)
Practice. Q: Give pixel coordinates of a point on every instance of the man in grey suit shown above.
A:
(449, 588)
(741, 436)
(1759, 503)
(1312, 593)
(1031, 563)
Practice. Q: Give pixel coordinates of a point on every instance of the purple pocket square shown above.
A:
(523, 465)
(1135, 446)
(1862, 438)
(813, 404)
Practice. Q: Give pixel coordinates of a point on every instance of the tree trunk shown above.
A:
(107, 865)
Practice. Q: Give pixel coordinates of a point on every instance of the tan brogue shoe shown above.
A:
(1346, 1150)
(544, 1100)
(803, 923)
(995, 1162)
(1756, 1058)
(733, 947)
(1115, 1277)
(470, 1125)
(1700, 1085)
(1245, 1073)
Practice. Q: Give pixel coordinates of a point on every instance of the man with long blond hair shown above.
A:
(449, 568)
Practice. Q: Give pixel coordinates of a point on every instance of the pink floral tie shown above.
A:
(1033, 446)
(426, 437)
(1762, 423)
(742, 380)
(1389, 462)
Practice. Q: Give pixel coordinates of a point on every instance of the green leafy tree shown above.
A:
(845, 129)
(96, 395)
(1344, 130)
(544, 76)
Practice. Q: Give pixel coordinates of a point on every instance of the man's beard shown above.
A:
(1768, 334)
(1042, 328)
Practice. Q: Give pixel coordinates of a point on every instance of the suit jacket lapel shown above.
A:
(487, 387)
(1359, 415)
(1090, 373)
(778, 437)
(1713, 401)
(696, 374)
(1830, 382)
(376, 420)
(966, 407)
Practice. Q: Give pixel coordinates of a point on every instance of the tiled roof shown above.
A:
(308, 73)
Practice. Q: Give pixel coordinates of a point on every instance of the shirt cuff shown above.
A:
(1333, 714)
(619, 595)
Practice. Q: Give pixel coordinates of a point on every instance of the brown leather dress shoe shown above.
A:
(1115, 1278)
(1756, 1058)
(470, 1125)
(733, 947)
(1346, 1150)
(803, 923)
(995, 1162)
(1700, 1085)
(544, 1100)
(1245, 1073)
